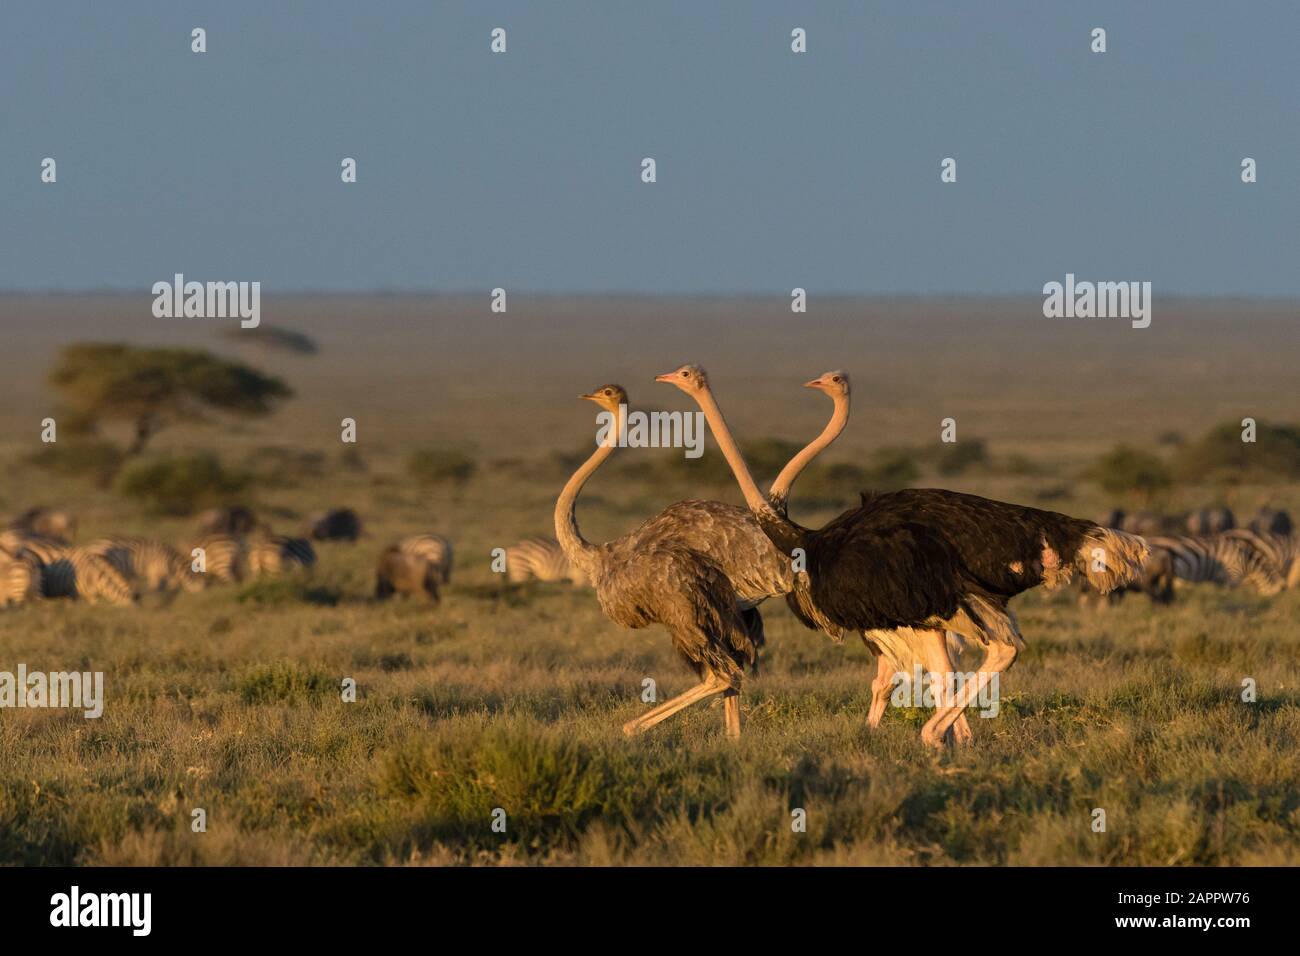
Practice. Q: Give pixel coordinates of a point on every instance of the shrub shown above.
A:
(955, 458)
(1126, 469)
(891, 469)
(1221, 455)
(96, 460)
(279, 467)
(271, 682)
(179, 486)
(434, 465)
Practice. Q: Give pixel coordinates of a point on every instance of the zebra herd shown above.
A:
(1263, 557)
(39, 560)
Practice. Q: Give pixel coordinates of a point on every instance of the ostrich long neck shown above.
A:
(774, 525)
(779, 493)
(581, 552)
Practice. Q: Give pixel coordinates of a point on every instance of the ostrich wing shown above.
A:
(999, 544)
(685, 592)
(730, 537)
(873, 572)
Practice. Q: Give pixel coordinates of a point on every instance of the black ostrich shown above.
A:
(908, 565)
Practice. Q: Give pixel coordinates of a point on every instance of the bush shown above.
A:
(1222, 456)
(891, 469)
(179, 486)
(96, 460)
(279, 467)
(274, 682)
(434, 465)
(955, 458)
(1127, 469)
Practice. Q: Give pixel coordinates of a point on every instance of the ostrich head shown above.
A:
(691, 379)
(832, 383)
(608, 397)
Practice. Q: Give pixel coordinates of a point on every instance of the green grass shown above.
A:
(487, 703)
(513, 698)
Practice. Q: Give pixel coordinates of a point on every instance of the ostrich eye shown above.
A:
(836, 379)
(685, 374)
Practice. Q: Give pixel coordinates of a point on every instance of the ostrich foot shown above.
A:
(707, 688)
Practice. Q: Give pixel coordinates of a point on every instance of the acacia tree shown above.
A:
(153, 387)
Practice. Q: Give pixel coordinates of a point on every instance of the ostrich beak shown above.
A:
(589, 396)
(815, 383)
(666, 377)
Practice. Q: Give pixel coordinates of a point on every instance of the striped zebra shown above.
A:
(43, 549)
(1280, 551)
(540, 558)
(20, 578)
(79, 574)
(274, 554)
(156, 566)
(1220, 559)
(219, 558)
(433, 548)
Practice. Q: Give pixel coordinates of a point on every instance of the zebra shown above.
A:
(1210, 521)
(540, 558)
(43, 549)
(273, 554)
(157, 566)
(1281, 552)
(434, 548)
(20, 578)
(79, 573)
(1219, 559)
(225, 558)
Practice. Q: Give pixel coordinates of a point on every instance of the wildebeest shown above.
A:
(47, 523)
(407, 574)
(341, 524)
(1268, 521)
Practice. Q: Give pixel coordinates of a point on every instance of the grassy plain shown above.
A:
(512, 698)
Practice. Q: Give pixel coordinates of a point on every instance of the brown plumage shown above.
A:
(644, 580)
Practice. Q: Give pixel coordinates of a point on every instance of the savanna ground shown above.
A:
(513, 698)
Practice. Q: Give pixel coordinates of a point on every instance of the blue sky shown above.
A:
(775, 170)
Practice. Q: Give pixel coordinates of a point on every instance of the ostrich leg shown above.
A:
(933, 650)
(880, 690)
(707, 688)
(1000, 656)
(731, 712)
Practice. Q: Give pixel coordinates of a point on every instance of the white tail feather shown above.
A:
(1111, 559)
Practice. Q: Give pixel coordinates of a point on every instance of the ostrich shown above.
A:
(908, 565)
(730, 537)
(664, 582)
(891, 659)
